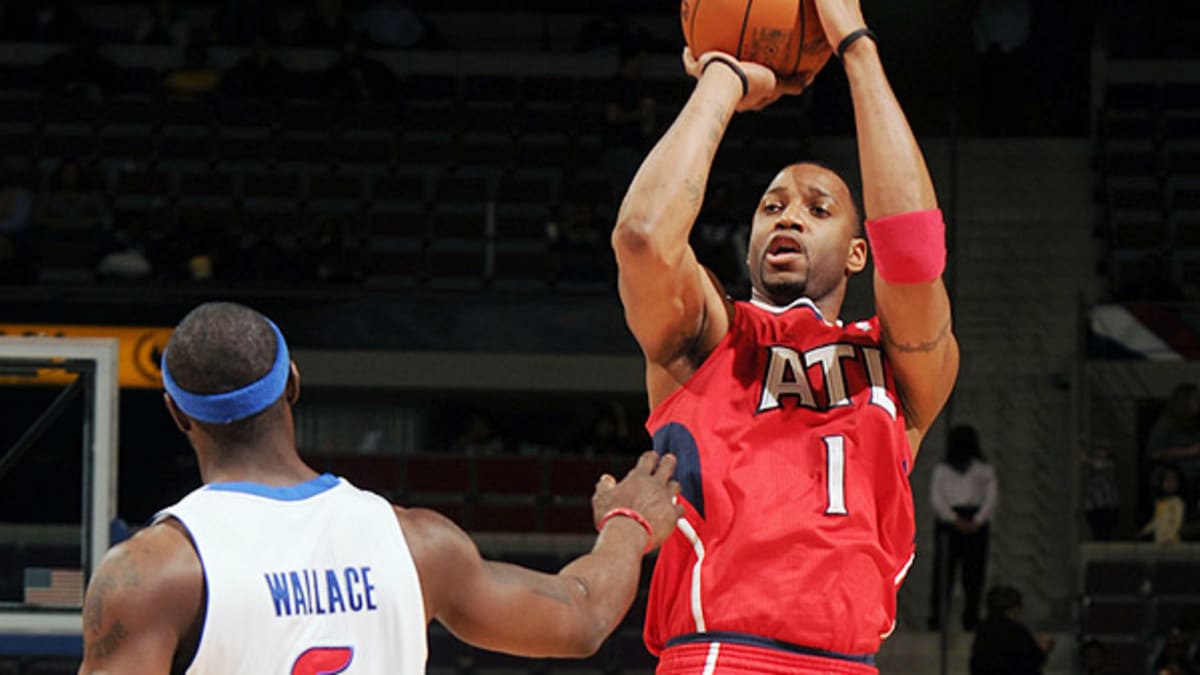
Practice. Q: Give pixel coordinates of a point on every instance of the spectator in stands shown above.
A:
(39, 21)
(195, 252)
(1001, 33)
(358, 78)
(334, 257)
(163, 26)
(326, 26)
(629, 121)
(479, 437)
(608, 434)
(1179, 653)
(1004, 645)
(72, 204)
(963, 492)
(719, 240)
(16, 214)
(1100, 496)
(1175, 436)
(195, 78)
(257, 257)
(127, 257)
(1167, 524)
(80, 72)
(258, 75)
(1094, 659)
(239, 22)
(577, 242)
(611, 30)
(1150, 281)
(396, 24)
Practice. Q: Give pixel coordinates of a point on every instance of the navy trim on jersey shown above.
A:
(291, 493)
(675, 438)
(767, 643)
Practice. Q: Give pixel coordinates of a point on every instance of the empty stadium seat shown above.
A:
(514, 475)
(1114, 617)
(1115, 578)
(1175, 578)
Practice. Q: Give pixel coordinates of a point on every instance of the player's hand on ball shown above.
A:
(839, 18)
(796, 84)
(762, 87)
(647, 489)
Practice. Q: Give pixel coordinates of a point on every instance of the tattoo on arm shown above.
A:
(695, 189)
(105, 645)
(918, 347)
(100, 643)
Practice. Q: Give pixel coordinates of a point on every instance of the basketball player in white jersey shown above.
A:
(270, 568)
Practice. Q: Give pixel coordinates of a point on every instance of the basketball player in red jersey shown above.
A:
(794, 432)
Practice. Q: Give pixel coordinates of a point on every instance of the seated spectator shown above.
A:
(195, 79)
(629, 121)
(1004, 645)
(578, 243)
(80, 72)
(163, 26)
(358, 78)
(395, 24)
(40, 21)
(1175, 435)
(608, 434)
(716, 240)
(1094, 659)
(1179, 653)
(334, 260)
(257, 256)
(195, 252)
(1150, 281)
(16, 213)
(1167, 524)
(479, 437)
(71, 204)
(258, 75)
(327, 26)
(127, 257)
(239, 22)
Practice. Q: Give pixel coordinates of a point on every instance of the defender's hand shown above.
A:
(762, 87)
(647, 489)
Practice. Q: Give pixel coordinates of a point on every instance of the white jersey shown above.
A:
(312, 578)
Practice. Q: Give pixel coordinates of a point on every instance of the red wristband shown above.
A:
(637, 517)
(909, 248)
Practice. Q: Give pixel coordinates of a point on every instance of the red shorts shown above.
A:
(730, 658)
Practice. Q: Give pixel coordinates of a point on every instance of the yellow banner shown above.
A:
(138, 355)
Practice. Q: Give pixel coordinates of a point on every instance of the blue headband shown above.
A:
(231, 406)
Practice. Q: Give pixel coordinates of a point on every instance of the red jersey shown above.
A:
(794, 462)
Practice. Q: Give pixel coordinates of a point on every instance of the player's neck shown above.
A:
(273, 461)
(829, 306)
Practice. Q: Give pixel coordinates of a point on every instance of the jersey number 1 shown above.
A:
(835, 475)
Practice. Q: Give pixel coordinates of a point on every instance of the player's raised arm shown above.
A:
(666, 293)
(507, 608)
(903, 224)
(142, 603)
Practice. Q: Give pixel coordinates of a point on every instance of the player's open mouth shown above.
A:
(782, 251)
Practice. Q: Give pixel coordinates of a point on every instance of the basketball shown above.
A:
(784, 35)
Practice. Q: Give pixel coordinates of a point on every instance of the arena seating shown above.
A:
(1148, 133)
(1130, 602)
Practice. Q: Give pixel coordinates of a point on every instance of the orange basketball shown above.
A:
(784, 35)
